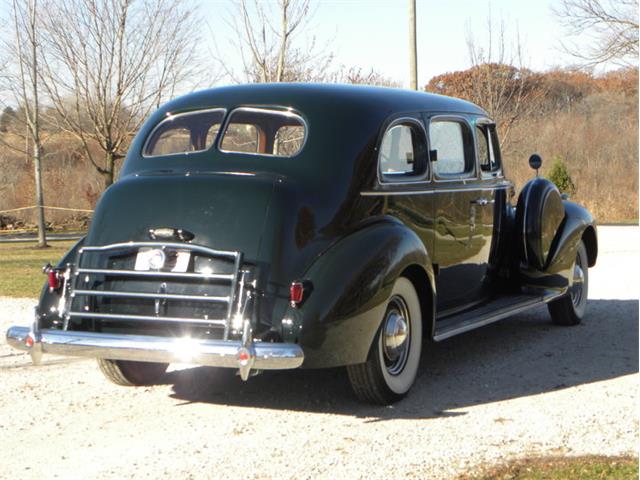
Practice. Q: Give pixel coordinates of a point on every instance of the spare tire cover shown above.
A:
(539, 214)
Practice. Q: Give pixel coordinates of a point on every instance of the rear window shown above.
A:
(264, 132)
(184, 133)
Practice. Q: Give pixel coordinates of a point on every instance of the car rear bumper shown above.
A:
(215, 353)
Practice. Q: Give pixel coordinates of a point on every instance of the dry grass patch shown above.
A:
(562, 468)
(21, 266)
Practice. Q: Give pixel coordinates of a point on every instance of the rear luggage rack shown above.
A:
(88, 285)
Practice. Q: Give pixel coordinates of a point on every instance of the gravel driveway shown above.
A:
(519, 387)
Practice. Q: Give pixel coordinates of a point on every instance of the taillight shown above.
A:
(54, 277)
(54, 280)
(296, 293)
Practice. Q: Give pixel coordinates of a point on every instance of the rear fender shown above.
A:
(48, 304)
(350, 286)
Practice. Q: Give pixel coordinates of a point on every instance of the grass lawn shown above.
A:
(21, 266)
(563, 468)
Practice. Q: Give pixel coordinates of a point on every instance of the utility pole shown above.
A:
(413, 49)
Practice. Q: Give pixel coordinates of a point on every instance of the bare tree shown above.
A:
(109, 63)
(358, 76)
(498, 80)
(269, 43)
(22, 83)
(611, 25)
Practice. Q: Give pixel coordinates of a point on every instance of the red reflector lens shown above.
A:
(296, 292)
(54, 279)
(243, 356)
(29, 341)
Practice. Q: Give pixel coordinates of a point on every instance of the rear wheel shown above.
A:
(570, 308)
(129, 373)
(391, 368)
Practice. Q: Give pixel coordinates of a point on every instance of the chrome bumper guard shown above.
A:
(214, 353)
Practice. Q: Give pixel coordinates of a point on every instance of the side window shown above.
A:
(451, 146)
(402, 154)
(183, 133)
(488, 148)
(483, 148)
(264, 132)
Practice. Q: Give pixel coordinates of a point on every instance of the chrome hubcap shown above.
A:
(395, 338)
(578, 283)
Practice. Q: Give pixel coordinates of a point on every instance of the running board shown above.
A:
(488, 313)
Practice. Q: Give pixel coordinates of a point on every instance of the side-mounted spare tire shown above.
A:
(539, 215)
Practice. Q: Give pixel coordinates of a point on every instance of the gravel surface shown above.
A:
(516, 388)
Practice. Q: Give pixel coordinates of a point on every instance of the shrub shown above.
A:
(559, 174)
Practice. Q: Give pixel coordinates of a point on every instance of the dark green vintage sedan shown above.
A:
(281, 226)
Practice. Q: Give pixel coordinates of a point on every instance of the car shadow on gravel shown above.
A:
(517, 357)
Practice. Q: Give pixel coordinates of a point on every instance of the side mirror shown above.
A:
(535, 162)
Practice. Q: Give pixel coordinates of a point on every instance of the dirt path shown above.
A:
(519, 387)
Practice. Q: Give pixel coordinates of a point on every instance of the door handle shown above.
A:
(482, 201)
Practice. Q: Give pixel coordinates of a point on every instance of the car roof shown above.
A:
(306, 96)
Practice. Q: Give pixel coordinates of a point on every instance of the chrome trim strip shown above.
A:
(152, 273)
(214, 353)
(162, 245)
(153, 296)
(146, 318)
(469, 188)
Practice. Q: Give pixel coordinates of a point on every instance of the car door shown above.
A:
(463, 212)
(404, 174)
(495, 192)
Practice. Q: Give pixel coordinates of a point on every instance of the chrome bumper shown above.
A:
(215, 353)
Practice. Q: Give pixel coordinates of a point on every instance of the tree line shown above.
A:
(79, 76)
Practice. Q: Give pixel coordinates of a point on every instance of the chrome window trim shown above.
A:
(424, 178)
(286, 112)
(473, 175)
(173, 116)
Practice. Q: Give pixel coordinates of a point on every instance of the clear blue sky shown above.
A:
(373, 33)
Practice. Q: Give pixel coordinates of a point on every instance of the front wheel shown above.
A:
(570, 308)
(392, 366)
(129, 373)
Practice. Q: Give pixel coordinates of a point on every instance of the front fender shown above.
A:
(578, 224)
(351, 284)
